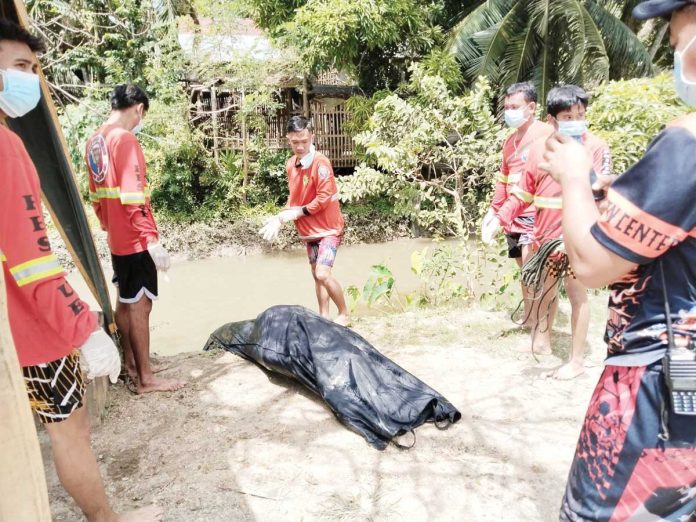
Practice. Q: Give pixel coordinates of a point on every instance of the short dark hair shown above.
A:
(126, 95)
(526, 88)
(15, 33)
(564, 97)
(299, 123)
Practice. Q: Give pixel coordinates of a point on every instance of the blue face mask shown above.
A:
(138, 127)
(21, 92)
(574, 129)
(686, 89)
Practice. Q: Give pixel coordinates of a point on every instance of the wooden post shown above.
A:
(214, 110)
(305, 97)
(23, 491)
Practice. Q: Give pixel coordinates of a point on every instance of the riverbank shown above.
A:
(239, 236)
(235, 445)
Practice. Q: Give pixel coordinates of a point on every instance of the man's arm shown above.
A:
(129, 163)
(326, 190)
(31, 262)
(520, 199)
(650, 207)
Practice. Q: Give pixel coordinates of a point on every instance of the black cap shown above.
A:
(655, 8)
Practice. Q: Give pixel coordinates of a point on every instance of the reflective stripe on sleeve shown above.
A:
(521, 194)
(36, 269)
(133, 198)
(542, 202)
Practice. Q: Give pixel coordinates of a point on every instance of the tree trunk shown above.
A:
(245, 145)
(23, 492)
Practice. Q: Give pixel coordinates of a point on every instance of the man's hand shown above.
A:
(601, 186)
(160, 256)
(565, 157)
(490, 228)
(99, 357)
(271, 229)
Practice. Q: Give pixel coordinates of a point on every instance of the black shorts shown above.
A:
(55, 389)
(135, 275)
(515, 243)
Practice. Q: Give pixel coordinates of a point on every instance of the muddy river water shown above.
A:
(203, 295)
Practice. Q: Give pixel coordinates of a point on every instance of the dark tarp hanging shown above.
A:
(368, 392)
(42, 135)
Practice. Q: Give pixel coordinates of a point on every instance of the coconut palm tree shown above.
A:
(549, 41)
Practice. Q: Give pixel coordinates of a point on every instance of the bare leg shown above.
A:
(322, 274)
(139, 336)
(544, 306)
(79, 474)
(322, 294)
(580, 324)
(527, 293)
(123, 324)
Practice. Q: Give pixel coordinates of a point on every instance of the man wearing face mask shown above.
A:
(636, 456)
(520, 114)
(120, 195)
(566, 106)
(50, 324)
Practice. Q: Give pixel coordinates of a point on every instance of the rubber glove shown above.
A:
(100, 357)
(160, 256)
(271, 229)
(490, 228)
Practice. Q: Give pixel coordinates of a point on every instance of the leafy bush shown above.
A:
(433, 154)
(630, 113)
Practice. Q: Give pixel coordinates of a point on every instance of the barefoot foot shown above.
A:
(568, 371)
(343, 320)
(147, 514)
(160, 385)
(536, 350)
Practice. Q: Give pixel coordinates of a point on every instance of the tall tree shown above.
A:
(548, 42)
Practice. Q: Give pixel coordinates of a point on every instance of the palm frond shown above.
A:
(627, 54)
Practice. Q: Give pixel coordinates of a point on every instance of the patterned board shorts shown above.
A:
(55, 389)
(323, 251)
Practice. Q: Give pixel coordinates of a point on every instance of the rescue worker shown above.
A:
(120, 195)
(48, 320)
(636, 456)
(313, 206)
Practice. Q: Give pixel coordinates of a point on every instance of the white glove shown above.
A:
(271, 229)
(487, 219)
(490, 229)
(99, 357)
(290, 214)
(160, 256)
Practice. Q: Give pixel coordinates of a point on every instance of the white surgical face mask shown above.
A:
(515, 118)
(20, 94)
(138, 127)
(574, 129)
(686, 89)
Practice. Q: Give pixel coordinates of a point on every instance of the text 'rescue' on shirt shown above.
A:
(119, 190)
(47, 317)
(313, 186)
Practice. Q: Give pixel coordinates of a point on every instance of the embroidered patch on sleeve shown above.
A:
(324, 172)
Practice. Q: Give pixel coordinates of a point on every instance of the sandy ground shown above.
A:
(235, 445)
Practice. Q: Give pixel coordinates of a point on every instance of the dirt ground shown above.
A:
(235, 445)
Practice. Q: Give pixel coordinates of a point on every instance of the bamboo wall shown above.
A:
(213, 111)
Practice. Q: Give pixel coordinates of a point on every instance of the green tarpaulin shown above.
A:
(43, 137)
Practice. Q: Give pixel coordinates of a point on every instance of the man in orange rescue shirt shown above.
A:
(120, 196)
(48, 320)
(313, 206)
(520, 111)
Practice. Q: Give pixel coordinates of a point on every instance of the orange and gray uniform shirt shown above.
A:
(119, 191)
(514, 159)
(313, 187)
(48, 319)
(538, 188)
